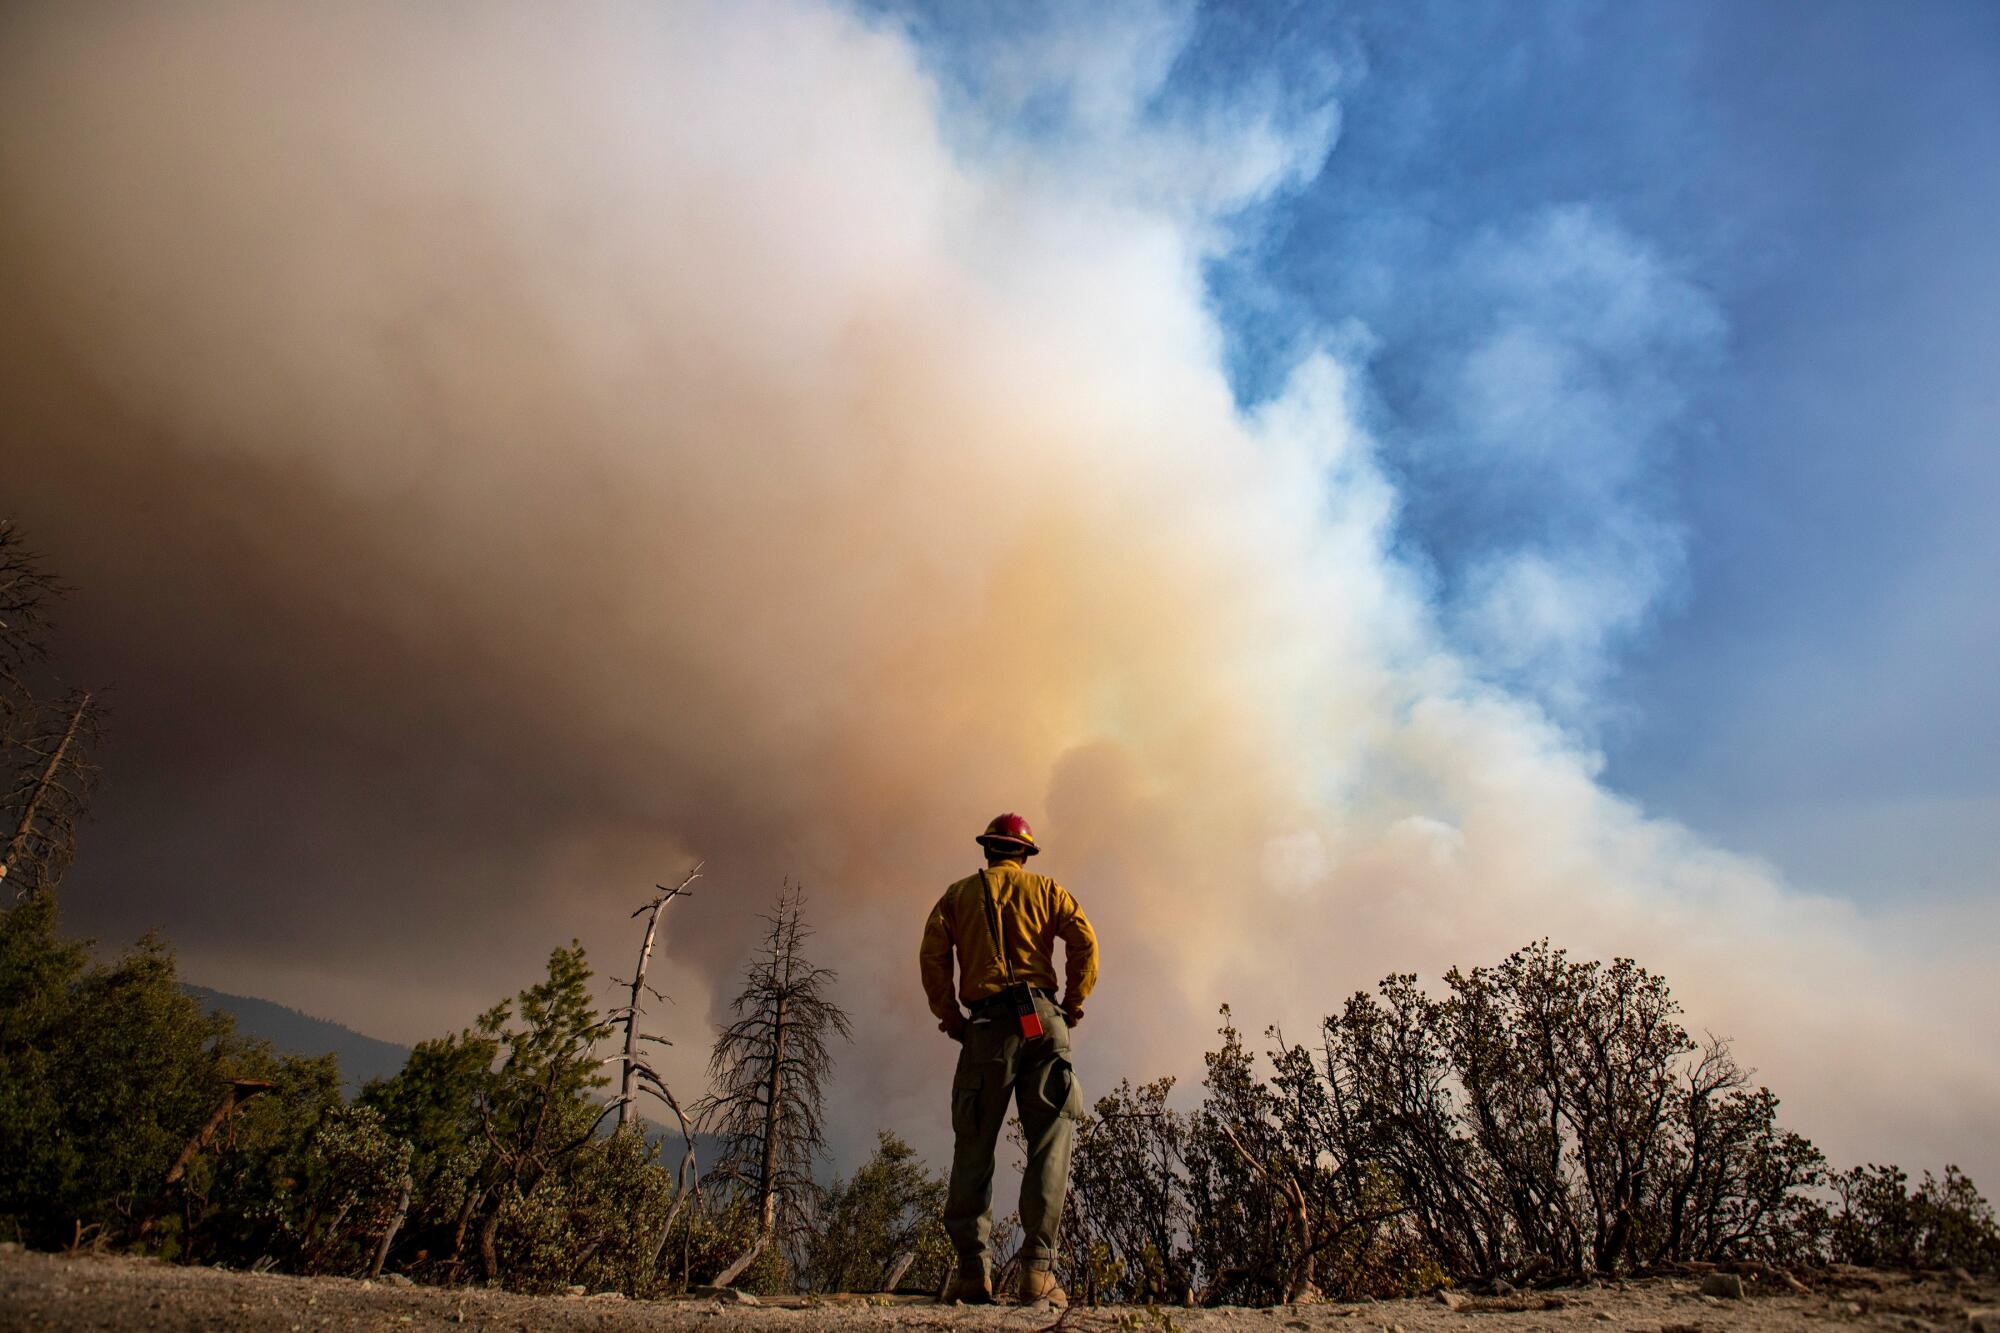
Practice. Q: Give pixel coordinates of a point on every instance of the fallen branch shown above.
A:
(743, 1261)
(240, 1090)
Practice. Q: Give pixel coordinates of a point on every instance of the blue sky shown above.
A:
(1680, 325)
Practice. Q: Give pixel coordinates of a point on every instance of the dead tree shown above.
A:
(636, 1070)
(769, 1069)
(26, 592)
(47, 788)
(45, 769)
(634, 1064)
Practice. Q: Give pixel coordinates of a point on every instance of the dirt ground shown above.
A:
(45, 1291)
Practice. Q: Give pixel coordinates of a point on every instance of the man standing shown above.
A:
(1004, 922)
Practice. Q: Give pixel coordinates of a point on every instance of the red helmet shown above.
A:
(1009, 833)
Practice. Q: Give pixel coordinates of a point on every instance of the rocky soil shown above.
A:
(44, 1291)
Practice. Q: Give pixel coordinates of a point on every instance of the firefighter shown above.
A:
(1003, 923)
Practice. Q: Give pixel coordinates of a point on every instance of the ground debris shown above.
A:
(109, 1292)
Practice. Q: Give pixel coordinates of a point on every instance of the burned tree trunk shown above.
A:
(52, 781)
(240, 1091)
(43, 747)
(636, 1072)
(489, 1246)
(395, 1225)
(767, 1205)
(632, 1063)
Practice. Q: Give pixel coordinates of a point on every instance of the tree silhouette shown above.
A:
(26, 592)
(769, 1069)
(47, 786)
(46, 773)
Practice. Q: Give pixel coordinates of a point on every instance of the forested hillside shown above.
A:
(362, 1058)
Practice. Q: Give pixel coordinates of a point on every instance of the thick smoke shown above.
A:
(507, 452)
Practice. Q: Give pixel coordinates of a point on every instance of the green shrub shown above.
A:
(890, 1207)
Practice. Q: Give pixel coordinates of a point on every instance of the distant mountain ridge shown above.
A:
(363, 1058)
(293, 1033)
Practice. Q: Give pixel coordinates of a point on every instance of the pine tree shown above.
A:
(536, 1111)
(769, 1068)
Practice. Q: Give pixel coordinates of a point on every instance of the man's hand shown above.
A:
(953, 1027)
(1072, 1012)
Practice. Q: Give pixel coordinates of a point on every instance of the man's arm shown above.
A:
(934, 961)
(1079, 954)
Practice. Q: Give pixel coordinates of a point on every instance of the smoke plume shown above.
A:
(508, 452)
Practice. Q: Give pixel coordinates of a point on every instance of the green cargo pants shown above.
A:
(994, 1064)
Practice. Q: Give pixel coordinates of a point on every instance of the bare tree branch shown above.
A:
(629, 1014)
(769, 1068)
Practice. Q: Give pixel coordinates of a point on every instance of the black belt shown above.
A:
(1003, 1002)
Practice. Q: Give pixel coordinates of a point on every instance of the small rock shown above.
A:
(1600, 1314)
(366, 1285)
(577, 1289)
(1450, 1300)
(1298, 1323)
(1847, 1307)
(397, 1280)
(1726, 1285)
(1502, 1287)
(10, 1247)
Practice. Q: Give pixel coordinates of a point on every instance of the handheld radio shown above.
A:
(1024, 998)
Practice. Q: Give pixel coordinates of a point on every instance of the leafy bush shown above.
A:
(1944, 1223)
(1238, 1201)
(106, 1071)
(889, 1208)
(1550, 1117)
(1128, 1230)
(1544, 1119)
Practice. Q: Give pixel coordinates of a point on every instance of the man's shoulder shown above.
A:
(1017, 878)
(1040, 885)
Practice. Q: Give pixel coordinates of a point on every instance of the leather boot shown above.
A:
(1039, 1284)
(971, 1283)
